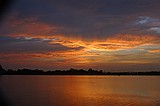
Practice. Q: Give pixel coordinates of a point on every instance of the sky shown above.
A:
(109, 35)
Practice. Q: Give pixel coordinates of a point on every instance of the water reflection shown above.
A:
(3, 100)
(82, 90)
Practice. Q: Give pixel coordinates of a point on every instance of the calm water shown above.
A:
(81, 90)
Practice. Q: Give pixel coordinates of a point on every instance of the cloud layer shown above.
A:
(81, 34)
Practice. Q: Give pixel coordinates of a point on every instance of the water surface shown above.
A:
(81, 90)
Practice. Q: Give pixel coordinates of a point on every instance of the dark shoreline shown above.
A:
(75, 72)
(79, 73)
(68, 75)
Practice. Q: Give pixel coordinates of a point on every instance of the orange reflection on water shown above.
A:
(82, 90)
(106, 91)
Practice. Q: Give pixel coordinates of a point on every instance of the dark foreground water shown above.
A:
(81, 90)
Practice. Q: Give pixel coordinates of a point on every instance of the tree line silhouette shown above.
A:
(70, 72)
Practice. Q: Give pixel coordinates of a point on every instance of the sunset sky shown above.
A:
(112, 35)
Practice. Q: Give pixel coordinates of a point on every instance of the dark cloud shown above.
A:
(5, 6)
(28, 45)
(100, 18)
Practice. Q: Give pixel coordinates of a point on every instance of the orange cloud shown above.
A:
(118, 42)
(155, 51)
(30, 26)
(81, 50)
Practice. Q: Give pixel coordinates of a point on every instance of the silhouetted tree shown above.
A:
(1, 70)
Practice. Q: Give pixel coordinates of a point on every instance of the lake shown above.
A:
(41, 90)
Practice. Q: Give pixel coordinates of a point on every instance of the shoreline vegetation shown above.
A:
(71, 72)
